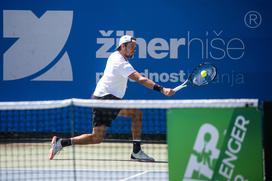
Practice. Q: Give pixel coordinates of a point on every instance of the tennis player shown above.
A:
(113, 86)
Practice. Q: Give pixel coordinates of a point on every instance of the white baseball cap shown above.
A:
(126, 39)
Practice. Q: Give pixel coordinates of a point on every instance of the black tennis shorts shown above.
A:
(104, 116)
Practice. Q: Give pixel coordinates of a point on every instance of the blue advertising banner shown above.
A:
(58, 49)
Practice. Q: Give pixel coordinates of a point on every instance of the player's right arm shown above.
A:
(136, 76)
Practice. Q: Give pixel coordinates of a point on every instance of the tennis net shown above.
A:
(26, 129)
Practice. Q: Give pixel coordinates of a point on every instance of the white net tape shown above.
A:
(161, 104)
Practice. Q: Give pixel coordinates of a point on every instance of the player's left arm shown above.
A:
(136, 76)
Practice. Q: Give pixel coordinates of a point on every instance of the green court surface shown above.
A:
(105, 161)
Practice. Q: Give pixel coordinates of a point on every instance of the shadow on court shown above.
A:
(110, 160)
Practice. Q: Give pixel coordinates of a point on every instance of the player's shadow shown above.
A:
(111, 160)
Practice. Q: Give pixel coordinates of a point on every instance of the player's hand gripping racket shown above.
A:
(201, 75)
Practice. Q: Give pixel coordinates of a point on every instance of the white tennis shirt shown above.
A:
(115, 77)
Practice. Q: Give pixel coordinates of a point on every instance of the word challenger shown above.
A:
(206, 159)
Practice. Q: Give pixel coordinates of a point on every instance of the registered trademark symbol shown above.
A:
(253, 19)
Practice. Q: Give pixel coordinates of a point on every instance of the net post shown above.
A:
(72, 114)
(267, 135)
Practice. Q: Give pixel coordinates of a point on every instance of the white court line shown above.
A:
(71, 169)
(133, 176)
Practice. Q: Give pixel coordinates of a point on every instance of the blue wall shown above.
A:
(58, 49)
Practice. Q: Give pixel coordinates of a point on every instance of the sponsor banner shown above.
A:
(215, 144)
(57, 49)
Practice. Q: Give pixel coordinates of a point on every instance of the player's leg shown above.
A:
(101, 120)
(136, 116)
(96, 137)
(136, 124)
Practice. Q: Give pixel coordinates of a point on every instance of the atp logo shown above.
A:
(205, 153)
(38, 54)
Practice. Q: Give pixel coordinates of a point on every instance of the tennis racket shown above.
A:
(201, 75)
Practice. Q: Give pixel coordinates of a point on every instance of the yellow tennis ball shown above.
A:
(203, 73)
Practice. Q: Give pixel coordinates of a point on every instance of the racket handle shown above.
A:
(179, 87)
(183, 85)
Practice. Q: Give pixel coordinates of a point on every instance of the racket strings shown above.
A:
(197, 79)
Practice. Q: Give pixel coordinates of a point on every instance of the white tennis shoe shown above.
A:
(55, 147)
(141, 156)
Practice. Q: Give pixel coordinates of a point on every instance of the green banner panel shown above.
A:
(215, 144)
